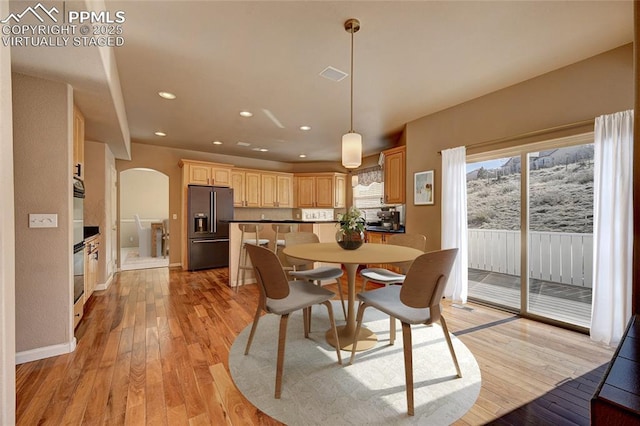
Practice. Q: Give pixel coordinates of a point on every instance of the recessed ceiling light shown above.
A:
(302, 156)
(160, 134)
(216, 143)
(246, 114)
(243, 144)
(167, 95)
(305, 128)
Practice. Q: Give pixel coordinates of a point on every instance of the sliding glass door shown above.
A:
(530, 219)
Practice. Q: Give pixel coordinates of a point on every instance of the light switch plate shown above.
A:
(46, 220)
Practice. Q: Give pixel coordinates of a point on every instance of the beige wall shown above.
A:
(582, 91)
(7, 242)
(42, 149)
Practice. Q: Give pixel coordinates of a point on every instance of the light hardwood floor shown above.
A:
(153, 349)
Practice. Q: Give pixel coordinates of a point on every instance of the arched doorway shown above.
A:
(144, 208)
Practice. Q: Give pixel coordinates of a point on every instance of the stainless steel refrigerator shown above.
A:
(209, 210)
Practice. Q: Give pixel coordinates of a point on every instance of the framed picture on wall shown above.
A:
(423, 188)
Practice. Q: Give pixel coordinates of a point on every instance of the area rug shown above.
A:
(316, 390)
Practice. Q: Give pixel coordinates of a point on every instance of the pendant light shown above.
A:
(351, 141)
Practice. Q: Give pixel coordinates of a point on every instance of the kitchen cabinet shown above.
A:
(78, 144)
(78, 311)
(204, 173)
(246, 188)
(394, 175)
(326, 190)
(276, 190)
(91, 266)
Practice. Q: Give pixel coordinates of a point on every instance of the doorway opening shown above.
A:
(144, 219)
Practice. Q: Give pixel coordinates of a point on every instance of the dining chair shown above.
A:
(417, 301)
(304, 270)
(281, 297)
(386, 276)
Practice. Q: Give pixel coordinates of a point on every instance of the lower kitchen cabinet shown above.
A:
(91, 266)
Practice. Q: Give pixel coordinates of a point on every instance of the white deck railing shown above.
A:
(553, 256)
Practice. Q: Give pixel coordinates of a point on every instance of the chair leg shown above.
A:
(450, 344)
(256, 318)
(364, 283)
(344, 309)
(305, 318)
(392, 330)
(408, 365)
(361, 309)
(282, 338)
(239, 267)
(335, 330)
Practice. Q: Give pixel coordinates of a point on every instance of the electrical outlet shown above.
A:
(175, 216)
(131, 239)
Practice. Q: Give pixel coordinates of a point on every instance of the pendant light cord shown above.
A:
(351, 127)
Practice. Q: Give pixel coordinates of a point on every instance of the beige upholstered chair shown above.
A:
(281, 297)
(249, 234)
(304, 270)
(387, 277)
(417, 301)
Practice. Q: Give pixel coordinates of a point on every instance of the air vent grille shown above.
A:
(333, 74)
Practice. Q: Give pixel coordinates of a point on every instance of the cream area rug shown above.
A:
(318, 391)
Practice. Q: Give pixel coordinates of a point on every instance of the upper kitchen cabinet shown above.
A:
(320, 190)
(277, 190)
(78, 144)
(246, 188)
(204, 173)
(394, 175)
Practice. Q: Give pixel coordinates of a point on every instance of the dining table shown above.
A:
(351, 259)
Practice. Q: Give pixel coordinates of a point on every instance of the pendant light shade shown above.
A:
(351, 141)
(351, 150)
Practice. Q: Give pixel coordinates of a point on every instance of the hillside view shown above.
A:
(561, 192)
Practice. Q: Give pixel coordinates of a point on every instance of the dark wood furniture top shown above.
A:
(617, 398)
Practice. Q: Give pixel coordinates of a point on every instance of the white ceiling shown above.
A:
(411, 59)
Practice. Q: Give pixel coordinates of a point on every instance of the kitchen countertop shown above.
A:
(374, 228)
(282, 221)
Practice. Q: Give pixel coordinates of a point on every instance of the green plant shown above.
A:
(351, 221)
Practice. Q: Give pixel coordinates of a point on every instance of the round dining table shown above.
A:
(351, 259)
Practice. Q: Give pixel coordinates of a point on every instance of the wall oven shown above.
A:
(78, 239)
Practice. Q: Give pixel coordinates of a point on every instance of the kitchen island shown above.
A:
(326, 231)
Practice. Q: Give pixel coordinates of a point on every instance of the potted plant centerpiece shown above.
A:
(350, 236)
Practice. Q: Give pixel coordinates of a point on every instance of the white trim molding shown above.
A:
(45, 352)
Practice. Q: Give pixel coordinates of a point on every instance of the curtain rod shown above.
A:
(530, 134)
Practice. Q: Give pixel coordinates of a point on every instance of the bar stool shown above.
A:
(280, 229)
(250, 234)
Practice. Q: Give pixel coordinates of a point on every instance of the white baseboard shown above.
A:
(105, 285)
(45, 352)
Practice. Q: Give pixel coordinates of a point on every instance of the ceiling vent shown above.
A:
(333, 74)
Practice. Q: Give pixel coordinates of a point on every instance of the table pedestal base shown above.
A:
(366, 338)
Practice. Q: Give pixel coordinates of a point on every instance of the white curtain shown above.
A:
(454, 219)
(613, 226)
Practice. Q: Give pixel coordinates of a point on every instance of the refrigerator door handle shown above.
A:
(215, 212)
(220, 240)
(211, 212)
